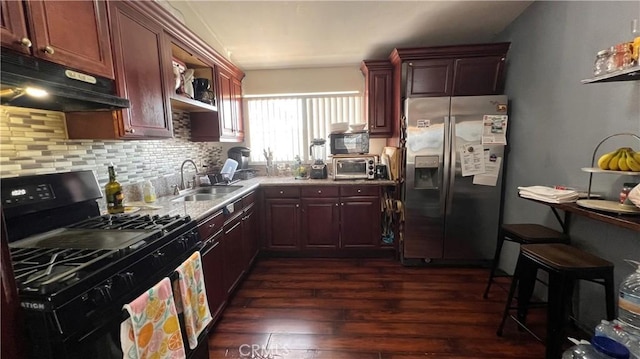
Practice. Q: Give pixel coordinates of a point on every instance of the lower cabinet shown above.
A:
(230, 238)
(329, 218)
(211, 231)
(282, 218)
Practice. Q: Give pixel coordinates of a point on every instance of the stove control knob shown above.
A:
(183, 242)
(101, 294)
(124, 279)
(158, 259)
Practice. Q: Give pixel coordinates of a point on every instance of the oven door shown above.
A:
(350, 168)
(99, 335)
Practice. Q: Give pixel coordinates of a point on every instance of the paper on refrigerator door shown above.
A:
(492, 170)
(494, 129)
(472, 159)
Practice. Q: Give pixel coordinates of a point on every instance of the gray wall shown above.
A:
(556, 123)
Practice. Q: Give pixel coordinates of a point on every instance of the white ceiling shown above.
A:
(293, 34)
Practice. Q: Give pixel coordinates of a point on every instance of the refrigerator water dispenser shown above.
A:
(427, 172)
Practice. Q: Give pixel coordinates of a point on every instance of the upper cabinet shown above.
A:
(142, 75)
(71, 33)
(148, 44)
(469, 76)
(378, 87)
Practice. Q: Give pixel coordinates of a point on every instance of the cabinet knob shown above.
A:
(359, 191)
(211, 225)
(130, 130)
(342, 204)
(336, 205)
(319, 191)
(281, 192)
(49, 50)
(297, 205)
(25, 42)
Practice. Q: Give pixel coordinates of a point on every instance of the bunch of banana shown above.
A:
(622, 159)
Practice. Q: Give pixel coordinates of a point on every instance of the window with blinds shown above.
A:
(287, 125)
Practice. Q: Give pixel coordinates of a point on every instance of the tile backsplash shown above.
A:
(35, 142)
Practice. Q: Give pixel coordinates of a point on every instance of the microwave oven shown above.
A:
(349, 143)
(350, 167)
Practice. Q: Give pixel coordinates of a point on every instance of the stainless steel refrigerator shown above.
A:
(448, 218)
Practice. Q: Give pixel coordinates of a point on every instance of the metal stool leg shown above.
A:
(512, 291)
(494, 265)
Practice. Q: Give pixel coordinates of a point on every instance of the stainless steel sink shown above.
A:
(197, 197)
(217, 189)
(207, 193)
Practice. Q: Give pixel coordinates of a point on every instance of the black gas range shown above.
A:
(75, 269)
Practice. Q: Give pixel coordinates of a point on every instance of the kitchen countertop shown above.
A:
(199, 210)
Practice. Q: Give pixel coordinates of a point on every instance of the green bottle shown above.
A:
(113, 193)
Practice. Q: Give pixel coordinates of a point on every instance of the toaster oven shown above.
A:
(350, 167)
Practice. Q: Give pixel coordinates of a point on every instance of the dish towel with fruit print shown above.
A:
(191, 298)
(152, 330)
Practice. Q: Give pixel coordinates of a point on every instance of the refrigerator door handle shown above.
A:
(452, 164)
(444, 166)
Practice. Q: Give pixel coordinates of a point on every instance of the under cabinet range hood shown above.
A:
(23, 79)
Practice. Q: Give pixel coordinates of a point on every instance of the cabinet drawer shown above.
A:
(210, 225)
(232, 210)
(281, 192)
(319, 191)
(359, 190)
(249, 199)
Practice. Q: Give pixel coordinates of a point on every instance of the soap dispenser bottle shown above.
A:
(149, 192)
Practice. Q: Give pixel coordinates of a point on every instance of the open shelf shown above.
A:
(598, 170)
(630, 74)
(189, 105)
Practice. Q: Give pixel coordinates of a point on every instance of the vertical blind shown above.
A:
(287, 125)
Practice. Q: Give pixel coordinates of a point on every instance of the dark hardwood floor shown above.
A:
(368, 309)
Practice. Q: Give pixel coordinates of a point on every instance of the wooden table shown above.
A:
(630, 221)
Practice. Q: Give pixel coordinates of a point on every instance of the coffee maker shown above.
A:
(318, 167)
(202, 91)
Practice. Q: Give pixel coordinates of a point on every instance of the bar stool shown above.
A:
(522, 233)
(564, 264)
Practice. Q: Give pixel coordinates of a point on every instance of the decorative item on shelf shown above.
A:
(188, 83)
(179, 68)
(299, 170)
(202, 91)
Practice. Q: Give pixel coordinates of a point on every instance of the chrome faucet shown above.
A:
(182, 173)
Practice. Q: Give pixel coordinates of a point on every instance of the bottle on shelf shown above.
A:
(113, 193)
(629, 298)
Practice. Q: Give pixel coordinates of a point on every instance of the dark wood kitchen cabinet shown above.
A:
(282, 218)
(456, 77)
(250, 222)
(360, 217)
(140, 54)
(71, 33)
(226, 125)
(378, 96)
(323, 220)
(234, 265)
(210, 231)
(230, 107)
(320, 217)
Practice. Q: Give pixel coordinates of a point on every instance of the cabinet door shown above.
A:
(360, 222)
(213, 268)
(238, 125)
(233, 254)
(141, 58)
(282, 223)
(225, 103)
(320, 223)
(13, 27)
(430, 78)
(479, 76)
(72, 33)
(378, 96)
(249, 236)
